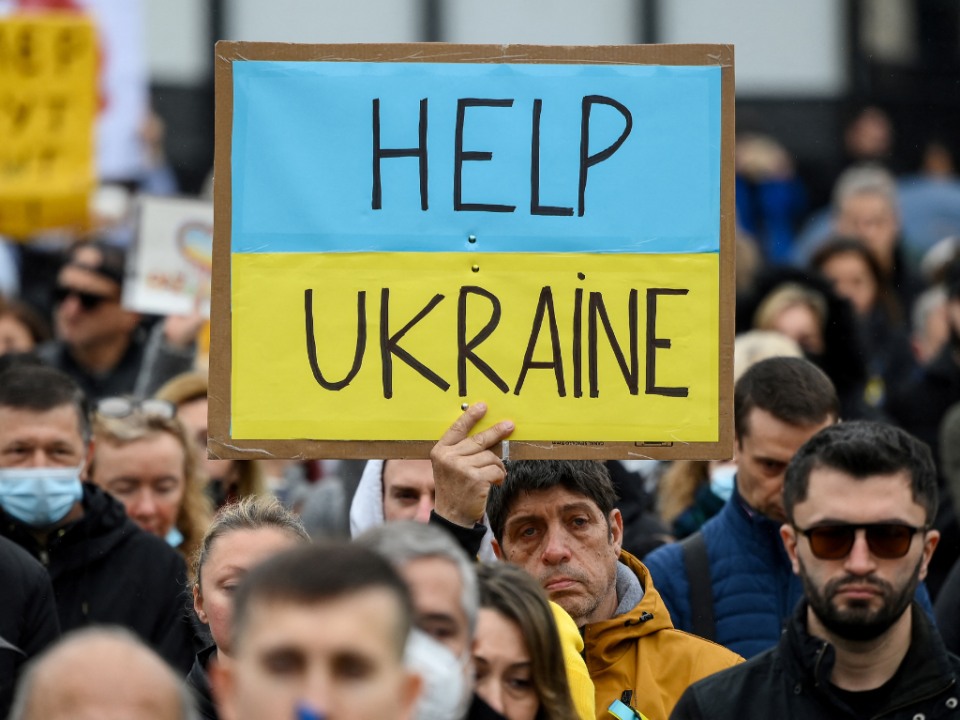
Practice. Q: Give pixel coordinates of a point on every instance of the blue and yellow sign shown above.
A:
(406, 237)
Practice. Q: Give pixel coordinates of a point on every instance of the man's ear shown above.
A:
(223, 680)
(736, 448)
(86, 475)
(497, 550)
(616, 531)
(412, 686)
(930, 542)
(789, 536)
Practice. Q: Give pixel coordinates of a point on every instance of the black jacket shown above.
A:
(28, 616)
(791, 681)
(105, 569)
(947, 610)
(198, 682)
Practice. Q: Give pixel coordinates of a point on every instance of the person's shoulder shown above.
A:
(147, 554)
(703, 657)
(17, 565)
(665, 556)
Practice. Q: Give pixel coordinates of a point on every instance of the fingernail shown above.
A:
(508, 425)
(480, 406)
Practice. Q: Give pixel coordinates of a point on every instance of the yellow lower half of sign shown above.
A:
(388, 346)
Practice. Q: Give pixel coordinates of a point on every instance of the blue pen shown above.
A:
(305, 712)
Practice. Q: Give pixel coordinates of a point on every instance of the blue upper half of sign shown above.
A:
(304, 164)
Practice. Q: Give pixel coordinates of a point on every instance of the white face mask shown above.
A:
(723, 480)
(40, 496)
(446, 693)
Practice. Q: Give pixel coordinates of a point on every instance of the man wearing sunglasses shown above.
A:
(103, 346)
(859, 499)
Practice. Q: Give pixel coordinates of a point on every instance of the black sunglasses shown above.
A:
(89, 301)
(121, 407)
(885, 540)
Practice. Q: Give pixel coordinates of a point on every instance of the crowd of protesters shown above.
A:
(816, 574)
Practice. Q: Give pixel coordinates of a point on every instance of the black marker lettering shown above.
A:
(577, 342)
(653, 342)
(631, 375)
(545, 303)
(389, 345)
(460, 157)
(378, 153)
(587, 160)
(465, 349)
(312, 345)
(535, 207)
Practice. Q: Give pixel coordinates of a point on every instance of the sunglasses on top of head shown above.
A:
(88, 301)
(885, 540)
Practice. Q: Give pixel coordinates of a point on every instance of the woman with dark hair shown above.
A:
(520, 670)
(857, 277)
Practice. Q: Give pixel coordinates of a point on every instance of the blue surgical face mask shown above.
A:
(40, 496)
(723, 480)
(174, 538)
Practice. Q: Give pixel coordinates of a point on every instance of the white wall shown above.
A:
(784, 48)
(178, 41)
(324, 21)
(543, 22)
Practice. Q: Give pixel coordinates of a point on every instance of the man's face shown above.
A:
(859, 596)
(338, 658)
(437, 590)
(408, 490)
(82, 326)
(762, 457)
(50, 438)
(148, 476)
(869, 218)
(563, 540)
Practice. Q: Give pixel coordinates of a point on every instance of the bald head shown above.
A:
(100, 674)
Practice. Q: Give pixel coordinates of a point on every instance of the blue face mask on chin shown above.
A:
(40, 496)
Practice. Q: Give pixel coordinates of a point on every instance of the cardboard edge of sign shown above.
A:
(220, 443)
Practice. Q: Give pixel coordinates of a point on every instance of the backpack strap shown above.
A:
(697, 564)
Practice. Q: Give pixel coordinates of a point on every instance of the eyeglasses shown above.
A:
(88, 301)
(885, 540)
(121, 407)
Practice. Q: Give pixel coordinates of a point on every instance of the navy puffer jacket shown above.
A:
(754, 588)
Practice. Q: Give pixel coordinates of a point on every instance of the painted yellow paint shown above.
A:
(276, 395)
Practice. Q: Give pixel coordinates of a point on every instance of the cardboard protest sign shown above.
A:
(47, 111)
(168, 272)
(405, 229)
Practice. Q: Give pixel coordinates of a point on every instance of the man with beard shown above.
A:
(859, 499)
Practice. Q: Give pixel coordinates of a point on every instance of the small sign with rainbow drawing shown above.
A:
(168, 269)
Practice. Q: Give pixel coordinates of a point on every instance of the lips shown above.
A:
(558, 584)
(858, 592)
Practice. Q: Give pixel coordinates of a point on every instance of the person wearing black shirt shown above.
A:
(859, 499)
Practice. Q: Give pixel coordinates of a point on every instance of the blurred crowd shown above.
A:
(461, 586)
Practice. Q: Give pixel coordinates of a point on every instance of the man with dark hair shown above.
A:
(557, 520)
(859, 499)
(103, 346)
(319, 632)
(104, 569)
(731, 582)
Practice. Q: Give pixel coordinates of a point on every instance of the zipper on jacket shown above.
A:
(44, 557)
(816, 666)
(918, 700)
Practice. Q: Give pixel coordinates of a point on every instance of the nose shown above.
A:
(315, 701)
(492, 695)
(860, 561)
(143, 506)
(556, 550)
(70, 307)
(423, 508)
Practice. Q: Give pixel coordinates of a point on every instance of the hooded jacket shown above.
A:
(28, 616)
(105, 569)
(639, 658)
(754, 587)
(199, 683)
(366, 509)
(792, 681)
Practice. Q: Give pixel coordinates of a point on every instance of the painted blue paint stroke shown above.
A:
(303, 156)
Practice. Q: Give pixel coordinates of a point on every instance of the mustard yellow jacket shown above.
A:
(641, 660)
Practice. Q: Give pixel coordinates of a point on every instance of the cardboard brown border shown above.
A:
(221, 445)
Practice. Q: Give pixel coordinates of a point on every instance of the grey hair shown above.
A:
(251, 513)
(928, 301)
(403, 541)
(120, 635)
(865, 179)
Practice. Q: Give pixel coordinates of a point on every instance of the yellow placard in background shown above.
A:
(546, 361)
(48, 100)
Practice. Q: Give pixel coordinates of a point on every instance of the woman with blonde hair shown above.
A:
(241, 536)
(518, 657)
(143, 456)
(230, 480)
